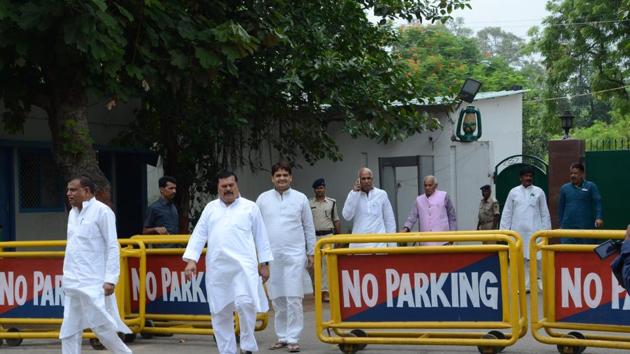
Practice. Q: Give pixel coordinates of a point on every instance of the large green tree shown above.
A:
(586, 49)
(217, 79)
(62, 55)
(440, 57)
(495, 42)
(439, 60)
(326, 66)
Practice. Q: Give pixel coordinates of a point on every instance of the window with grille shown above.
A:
(41, 185)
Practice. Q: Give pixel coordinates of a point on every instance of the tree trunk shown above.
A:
(72, 144)
(172, 167)
(182, 198)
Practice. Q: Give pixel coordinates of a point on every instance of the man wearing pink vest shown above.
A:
(433, 210)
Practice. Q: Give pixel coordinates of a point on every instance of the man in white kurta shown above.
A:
(289, 221)
(369, 210)
(526, 212)
(237, 256)
(91, 268)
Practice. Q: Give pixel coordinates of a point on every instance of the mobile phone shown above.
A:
(607, 249)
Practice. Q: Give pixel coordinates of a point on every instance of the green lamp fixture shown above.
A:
(469, 124)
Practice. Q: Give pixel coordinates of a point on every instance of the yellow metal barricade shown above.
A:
(579, 293)
(392, 295)
(33, 272)
(174, 312)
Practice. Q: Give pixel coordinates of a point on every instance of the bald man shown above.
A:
(433, 210)
(369, 209)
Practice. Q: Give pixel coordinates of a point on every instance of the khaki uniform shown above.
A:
(487, 211)
(324, 217)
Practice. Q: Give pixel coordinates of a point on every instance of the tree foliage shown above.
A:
(439, 60)
(325, 65)
(218, 80)
(440, 57)
(586, 49)
(495, 42)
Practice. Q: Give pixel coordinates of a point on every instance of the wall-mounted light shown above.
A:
(469, 90)
(566, 120)
(469, 125)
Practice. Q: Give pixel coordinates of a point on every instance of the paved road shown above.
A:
(183, 344)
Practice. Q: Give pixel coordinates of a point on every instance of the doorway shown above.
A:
(7, 215)
(400, 178)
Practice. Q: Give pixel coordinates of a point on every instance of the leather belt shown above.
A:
(324, 232)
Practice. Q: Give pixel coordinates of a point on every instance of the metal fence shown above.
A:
(608, 144)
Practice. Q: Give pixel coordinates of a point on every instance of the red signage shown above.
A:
(420, 287)
(586, 291)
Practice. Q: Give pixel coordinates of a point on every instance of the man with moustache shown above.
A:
(369, 210)
(580, 205)
(488, 215)
(237, 257)
(91, 268)
(526, 212)
(326, 222)
(162, 216)
(433, 210)
(287, 215)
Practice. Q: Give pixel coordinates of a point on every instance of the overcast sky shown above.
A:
(515, 16)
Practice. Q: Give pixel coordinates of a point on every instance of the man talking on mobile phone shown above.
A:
(369, 209)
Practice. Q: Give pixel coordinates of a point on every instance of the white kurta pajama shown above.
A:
(291, 232)
(91, 259)
(370, 213)
(526, 212)
(237, 242)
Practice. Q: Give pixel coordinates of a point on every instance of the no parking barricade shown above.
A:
(392, 295)
(31, 295)
(31, 298)
(579, 294)
(173, 305)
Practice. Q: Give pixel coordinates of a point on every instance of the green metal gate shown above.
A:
(610, 171)
(506, 175)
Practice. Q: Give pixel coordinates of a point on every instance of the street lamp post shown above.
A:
(567, 123)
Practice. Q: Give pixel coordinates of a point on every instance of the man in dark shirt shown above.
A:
(579, 205)
(621, 264)
(162, 217)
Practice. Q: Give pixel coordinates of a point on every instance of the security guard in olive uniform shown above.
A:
(488, 210)
(326, 222)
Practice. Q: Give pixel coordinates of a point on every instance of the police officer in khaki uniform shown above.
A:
(326, 222)
(488, 210)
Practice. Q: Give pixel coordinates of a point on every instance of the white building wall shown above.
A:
(105, 125)
(40, 226)
(153, 177)
(502, 119)
(473, 170)
(461, 168)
